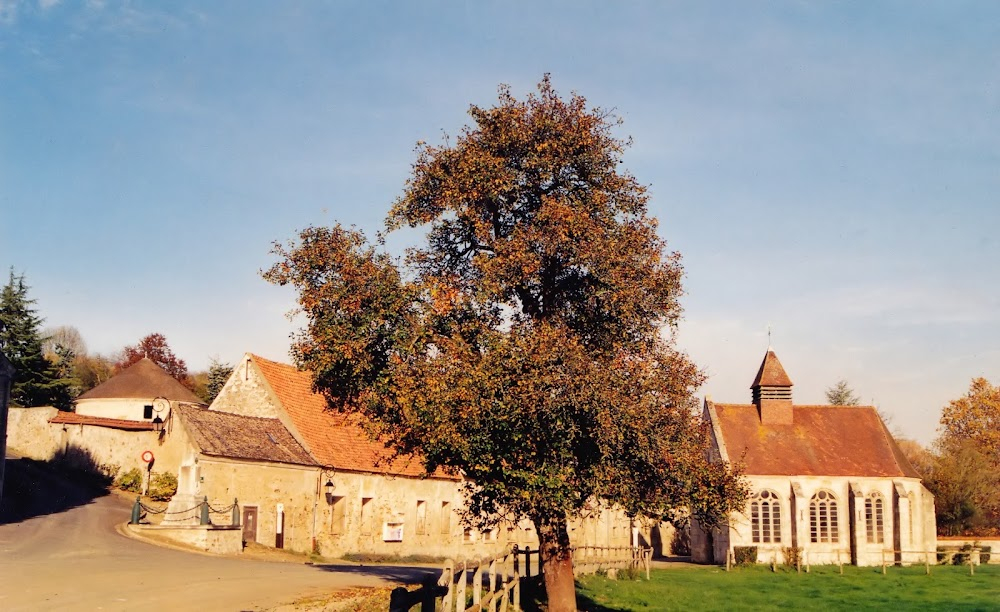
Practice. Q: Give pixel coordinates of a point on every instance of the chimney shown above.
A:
(772, 392)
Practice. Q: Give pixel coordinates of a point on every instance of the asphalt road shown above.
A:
(59, 550)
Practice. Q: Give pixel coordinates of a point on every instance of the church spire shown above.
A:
(772, 392)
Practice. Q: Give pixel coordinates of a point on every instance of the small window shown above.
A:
(445, 518)
(337, 516)
(467, 536)
(147, 411)
(490, 535)
(366, 515)
(421, 525)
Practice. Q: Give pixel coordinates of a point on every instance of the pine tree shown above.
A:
(218, 374)
(37, 381)
(841, 394)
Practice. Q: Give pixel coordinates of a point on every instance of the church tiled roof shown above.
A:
(334, 439)
(820, 441)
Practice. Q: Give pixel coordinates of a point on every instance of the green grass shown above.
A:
(757, 588)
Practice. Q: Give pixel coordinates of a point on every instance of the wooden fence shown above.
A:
(494, 583)
(889, 558)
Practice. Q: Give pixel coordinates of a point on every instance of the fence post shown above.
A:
(204, 511)
(449, 575)
(236, 512)
(460, 591)
(517, 561)
(527, 560)
(477, 584)
(136, 512)
(493, 584)
(927, 563)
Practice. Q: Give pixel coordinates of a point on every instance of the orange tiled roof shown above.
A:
(821, 441)
(333, 439)
(72, 418)
(771, 374)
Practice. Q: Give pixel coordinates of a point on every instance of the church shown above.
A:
(828, 483)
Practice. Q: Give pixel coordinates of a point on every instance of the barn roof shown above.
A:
(142, 380)
(334, 439)
(235, 436)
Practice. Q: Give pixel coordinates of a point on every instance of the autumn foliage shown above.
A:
(155, 347)
(528, 344)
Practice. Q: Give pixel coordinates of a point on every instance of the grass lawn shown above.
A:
(757, 588)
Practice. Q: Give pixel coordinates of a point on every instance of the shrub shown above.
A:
(130, 481)
(984, 554)
(162, 486)
(793, 556)
(680, 545)
(745, 555)
(629, 573)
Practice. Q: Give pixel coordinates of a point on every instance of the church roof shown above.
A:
(142, 380)
(821, 441)
(334, 439)
(236, 436)
(771, 373)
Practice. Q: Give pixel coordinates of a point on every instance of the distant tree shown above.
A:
(975, 417)
(920, 458)
(92, 370)
(966, 488)
(198, 383)
(218, 374)
(524, 344)
(841, 394)
(966, 482)
(37, 381)
(155, 347)
(65, 336)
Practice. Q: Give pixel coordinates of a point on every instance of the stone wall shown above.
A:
(113, 450)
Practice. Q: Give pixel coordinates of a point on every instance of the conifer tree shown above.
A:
(37, 381)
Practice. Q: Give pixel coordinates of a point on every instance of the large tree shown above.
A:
(37, 381)
(529, 343)
(155, 347)
(966, 481)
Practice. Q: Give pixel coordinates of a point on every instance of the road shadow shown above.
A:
(396, 573)
(36, 488)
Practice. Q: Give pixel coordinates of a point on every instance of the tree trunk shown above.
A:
(557, 564)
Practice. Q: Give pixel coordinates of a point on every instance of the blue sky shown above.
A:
(830, 169)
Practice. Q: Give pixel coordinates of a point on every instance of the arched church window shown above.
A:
(823, 517)
(875, 518)
(765, 517)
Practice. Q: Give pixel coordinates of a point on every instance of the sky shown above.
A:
(829, 171)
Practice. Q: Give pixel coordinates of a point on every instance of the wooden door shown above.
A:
(249, 524)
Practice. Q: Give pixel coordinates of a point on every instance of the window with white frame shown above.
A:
(823, 517)
(874, 518)
(765, 518)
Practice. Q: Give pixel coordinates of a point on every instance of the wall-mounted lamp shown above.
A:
(329, 486)
(157, 423)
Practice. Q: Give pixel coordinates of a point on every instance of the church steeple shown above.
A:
(772, 392)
